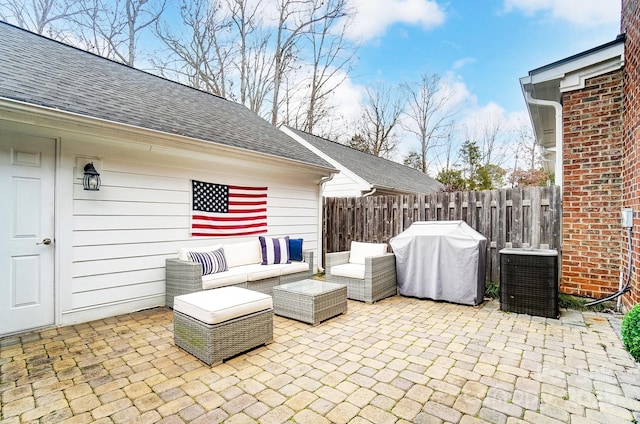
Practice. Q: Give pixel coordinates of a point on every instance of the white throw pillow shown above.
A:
(360, 250)
(244, 253)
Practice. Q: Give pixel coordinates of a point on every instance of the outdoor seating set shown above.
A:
(224, 296)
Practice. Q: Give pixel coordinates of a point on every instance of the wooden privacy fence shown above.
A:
(527, 217)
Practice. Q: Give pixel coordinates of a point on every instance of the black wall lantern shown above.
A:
(91, 180)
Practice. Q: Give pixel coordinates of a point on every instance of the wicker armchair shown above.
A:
(379, 279)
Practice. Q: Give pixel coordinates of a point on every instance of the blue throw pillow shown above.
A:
(274, 250)
(295, 249)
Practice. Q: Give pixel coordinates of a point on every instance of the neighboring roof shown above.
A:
(47, 73)
(381, 173)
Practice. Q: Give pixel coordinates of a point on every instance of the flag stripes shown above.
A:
(220, 210)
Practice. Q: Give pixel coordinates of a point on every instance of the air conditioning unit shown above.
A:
(529, 282)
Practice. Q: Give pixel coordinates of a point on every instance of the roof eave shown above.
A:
(548, 82)
(24, 112)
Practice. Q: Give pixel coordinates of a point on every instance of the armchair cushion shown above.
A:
(348, 270)
(360, 250)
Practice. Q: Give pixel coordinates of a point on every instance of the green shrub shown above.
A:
(631, 332)
(492, 290)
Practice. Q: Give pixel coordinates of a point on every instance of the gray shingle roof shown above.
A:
(40, 71)
(379, 172)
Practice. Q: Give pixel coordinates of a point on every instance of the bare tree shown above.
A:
(381, 112)
(244, 18)
(491, 130)
(259, 77)
(331, 59)
(429, 116)
(294, 18)
(527, 169)
(199, 55)
(111, 28)
(44, 17)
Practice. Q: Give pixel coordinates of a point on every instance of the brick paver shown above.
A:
(400, 360)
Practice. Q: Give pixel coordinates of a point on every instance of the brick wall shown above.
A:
(592, 190)
(631, 141)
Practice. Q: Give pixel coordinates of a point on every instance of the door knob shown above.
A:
(45, 241)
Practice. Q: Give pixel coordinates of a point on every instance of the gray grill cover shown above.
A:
(441, 260)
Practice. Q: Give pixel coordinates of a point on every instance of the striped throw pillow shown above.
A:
(211, 262)
(275, 250)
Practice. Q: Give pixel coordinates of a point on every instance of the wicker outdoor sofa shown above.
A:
(368, 271)
(244, 269)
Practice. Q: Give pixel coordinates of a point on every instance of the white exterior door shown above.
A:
(27, 166)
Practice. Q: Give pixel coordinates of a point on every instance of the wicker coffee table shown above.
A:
(310, 301)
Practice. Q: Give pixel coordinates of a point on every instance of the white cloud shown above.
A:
(586, 13)
(461, 63)
(373, 17)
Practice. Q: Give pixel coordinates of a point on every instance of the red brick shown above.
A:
(592, 191)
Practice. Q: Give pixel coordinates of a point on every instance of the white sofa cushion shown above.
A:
(349, 271)
(294, 267)
(226, 278)
(360, 250)
(183, 253)
(260, 272)
(223, 304)
(245, 253)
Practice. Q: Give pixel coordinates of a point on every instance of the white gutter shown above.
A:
(558, 108)
(321, 184)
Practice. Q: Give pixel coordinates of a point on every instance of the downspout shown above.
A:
(321, 184)
(369, 193)
(558, 108)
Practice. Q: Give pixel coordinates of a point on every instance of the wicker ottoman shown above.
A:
(217, 324)
(310, 301)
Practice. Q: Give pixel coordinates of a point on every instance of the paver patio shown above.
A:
(400, 360)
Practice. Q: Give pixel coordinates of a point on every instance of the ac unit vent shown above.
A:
(529, 282)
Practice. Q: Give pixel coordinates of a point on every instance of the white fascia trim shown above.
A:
(572, 74)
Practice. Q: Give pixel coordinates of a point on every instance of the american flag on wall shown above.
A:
(227, 210)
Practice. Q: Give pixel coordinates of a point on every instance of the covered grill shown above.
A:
(441, 260)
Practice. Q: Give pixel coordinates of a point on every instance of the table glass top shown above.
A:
(309, 286)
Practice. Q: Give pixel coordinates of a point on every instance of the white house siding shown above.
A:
(342, 185)
(112, 244)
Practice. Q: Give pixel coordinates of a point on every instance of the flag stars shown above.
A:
(209, 197)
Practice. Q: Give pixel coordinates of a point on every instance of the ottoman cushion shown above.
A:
(222, 304)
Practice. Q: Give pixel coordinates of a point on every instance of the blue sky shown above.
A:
(487, 45)
(481, 47)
